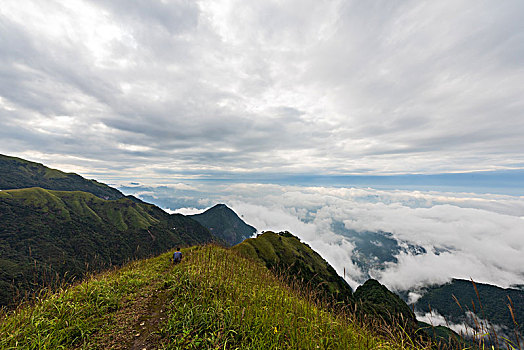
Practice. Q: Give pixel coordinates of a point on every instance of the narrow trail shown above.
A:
(149, 324)
(137, 324)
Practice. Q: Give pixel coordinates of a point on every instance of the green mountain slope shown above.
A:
(225, 224)
(18, 173)
(48, 236)
(214, 299)
(287, 254)
(375, 300)
(372, 302)
(493, 304)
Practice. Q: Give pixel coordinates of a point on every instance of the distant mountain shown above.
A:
(287, 254)
(225, 224)
(490, 304)
(16, 173)
(48, 236)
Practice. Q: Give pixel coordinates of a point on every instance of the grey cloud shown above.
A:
(304, 86)
(176, 17)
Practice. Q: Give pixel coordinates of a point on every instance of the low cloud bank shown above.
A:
(435, 319)
(185, 211)
(456, 235)
(463, 235)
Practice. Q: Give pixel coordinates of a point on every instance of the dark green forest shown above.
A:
(491, 303)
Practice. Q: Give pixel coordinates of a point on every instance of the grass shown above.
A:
(214, 299)
(483, 332)
(69, 317)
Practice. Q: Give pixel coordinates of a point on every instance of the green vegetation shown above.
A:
(225, 224)
(372, 302)
(456, 299)
(441, 335)
(50, 237)
(18, 173)
(375, 300)
(214, 299)
(290, 257)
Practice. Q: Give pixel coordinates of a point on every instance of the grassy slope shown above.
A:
(214, 299)
(375, 300)
(285, 252)
(371, 302)
(225, 224)
(47, 236)
(18, 173)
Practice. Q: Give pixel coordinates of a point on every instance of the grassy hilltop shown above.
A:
(287, 254)
(214, 299)
(56, 226)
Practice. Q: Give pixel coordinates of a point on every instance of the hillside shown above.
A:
(375, 300)
(48, 236)
(491, 304)
(288, 255)
(225, 224)
(300, 266)
(16, 173)
(214, 299)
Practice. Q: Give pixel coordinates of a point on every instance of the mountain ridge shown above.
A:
(225, 224)
(19, 173)
(197, 304)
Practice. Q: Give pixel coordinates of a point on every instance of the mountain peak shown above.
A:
(225, 224)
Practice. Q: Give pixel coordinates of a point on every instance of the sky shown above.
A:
(156, 90)
(403, 117)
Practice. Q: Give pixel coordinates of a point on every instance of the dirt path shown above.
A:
(150, 324)
(136, 325)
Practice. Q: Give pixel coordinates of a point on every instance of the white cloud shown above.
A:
(473, 240)
(185, 211)
(182, 186)
(435, 319)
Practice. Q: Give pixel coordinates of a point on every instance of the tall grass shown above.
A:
(69, 317)
(482, 332)
(221, 300)
(214, 299)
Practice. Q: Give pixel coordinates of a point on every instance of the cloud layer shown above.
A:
(458, 235)
(199, 88)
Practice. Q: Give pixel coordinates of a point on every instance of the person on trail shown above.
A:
(177, 256)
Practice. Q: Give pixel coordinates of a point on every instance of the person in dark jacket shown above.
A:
(177, 256)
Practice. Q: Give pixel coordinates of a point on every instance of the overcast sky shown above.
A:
(154, 89)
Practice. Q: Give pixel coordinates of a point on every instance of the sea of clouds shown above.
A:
(464, 235)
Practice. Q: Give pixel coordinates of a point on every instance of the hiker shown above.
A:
(177, 256)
